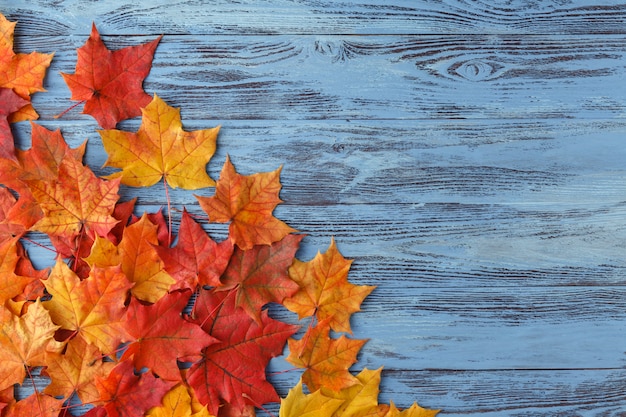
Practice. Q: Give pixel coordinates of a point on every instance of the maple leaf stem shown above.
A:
(169, 212)
(70, 108)
(29, 240)
(32, 381)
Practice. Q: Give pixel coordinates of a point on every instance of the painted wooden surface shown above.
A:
(468, 155)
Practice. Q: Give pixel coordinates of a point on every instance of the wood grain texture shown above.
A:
(371, 77)
(468, 155)
(251, 17)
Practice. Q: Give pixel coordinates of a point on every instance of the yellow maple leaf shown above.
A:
(178, 403)
(161, 149)
(360, 399)
(413, 411)
(299, 404)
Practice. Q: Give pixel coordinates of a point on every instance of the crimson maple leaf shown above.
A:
(259, 275)
(196, 258)
(233, 370)
(124, 394)
(161, 336)
(110, 82)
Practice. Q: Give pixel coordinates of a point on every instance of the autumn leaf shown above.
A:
(76, 202)
(23, 73)
(161, 149)
(11, 284)
(160, 336)
(233, 370)
(141, 263)
(124, 394)
(36, 405)
(259, 275)
(326, 361)
(110, 82)
(75, 370)
(196, 258)
(413, 411)
(325, 291)
(93, 308)
(247, 201)
(299, 404)
(24, 342)
(177, 403)
(10, 102)
(360, 399)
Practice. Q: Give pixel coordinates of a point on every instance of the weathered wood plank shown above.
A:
(320, 17)
(413, 162)
(372, 77)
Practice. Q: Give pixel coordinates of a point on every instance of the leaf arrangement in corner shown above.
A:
(127, 321)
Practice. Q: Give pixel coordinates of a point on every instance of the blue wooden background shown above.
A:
(469, 155)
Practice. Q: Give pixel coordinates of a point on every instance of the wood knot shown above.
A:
(476, 70)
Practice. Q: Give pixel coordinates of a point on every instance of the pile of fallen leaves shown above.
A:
(130, 318)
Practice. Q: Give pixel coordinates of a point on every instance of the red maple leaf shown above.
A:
(110, 82)
(259, 275)
(232, 371)
(196, 258)
(162, 336)
(124, 394)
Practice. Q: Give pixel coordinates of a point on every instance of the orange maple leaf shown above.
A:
(11, 284)
(23, 73)
(76, 202)
(326, 360)
(24, 342)
(161, 149)
(325, 291)
(10, 102)
(141, 263)
(36, 405)
(92, 308)
(247, 201)
(74, 371)
(110, 82)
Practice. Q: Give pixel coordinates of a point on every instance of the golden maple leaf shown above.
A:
(161, 149)
(93, 308)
